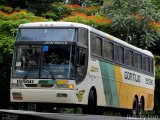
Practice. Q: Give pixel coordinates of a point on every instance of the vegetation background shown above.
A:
(134, 21)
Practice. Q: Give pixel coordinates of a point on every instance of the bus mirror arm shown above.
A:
(82, 59)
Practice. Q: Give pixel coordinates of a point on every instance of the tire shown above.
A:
(134, 110)
(140, 108)
(91, 107)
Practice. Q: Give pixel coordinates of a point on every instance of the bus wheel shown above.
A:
(91, 107)
(134, 110)
(141, 107)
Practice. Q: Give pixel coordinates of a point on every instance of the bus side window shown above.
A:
(127, 57)
(121, 54)
(131, 58)
(108, 50)
(116, 53)
(83, 36)
(139, 61)
(144, 64)
(96, 45)
(148, 64)
(152, 65)
(135, 60)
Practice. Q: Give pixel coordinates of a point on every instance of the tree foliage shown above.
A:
(57, 11)
(156, 3)
(97, 21)
(9, 22)
(132, 21)
(87, 2)
(135, 21)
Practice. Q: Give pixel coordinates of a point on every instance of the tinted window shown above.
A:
(108, 50)
(139, 61)
(96, 45)
(83, 36)
(144, 64)
(126, 57)
(116, 55)
(152, 65)
(136, 60)
(121, 54)
(148, 64)
(129, 58)
(36, 34)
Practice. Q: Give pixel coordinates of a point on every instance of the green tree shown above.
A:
(6, 47)
(39, 6)
(9, 22)
(14, 3)
(36, 6)
(156, 3)
(131, 21)
(57, 11)
(86, 2)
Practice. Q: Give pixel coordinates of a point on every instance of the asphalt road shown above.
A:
(28, 115)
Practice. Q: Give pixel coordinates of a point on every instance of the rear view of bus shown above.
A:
(45, 62)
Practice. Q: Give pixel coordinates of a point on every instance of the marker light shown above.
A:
(64, 84)
(61, 82)
(70, 86)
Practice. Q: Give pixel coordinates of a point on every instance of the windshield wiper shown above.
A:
(26, 75)
(29, 70)
(48, 72)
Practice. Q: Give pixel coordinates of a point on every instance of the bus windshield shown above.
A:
(43, 62)
(47, 34)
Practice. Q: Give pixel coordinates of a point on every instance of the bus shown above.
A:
(66, 63)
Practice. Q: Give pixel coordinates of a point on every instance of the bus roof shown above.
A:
(98, 32)
(53, 24)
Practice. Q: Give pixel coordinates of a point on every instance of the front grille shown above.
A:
(39, 85)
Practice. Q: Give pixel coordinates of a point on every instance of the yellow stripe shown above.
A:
(127, 92)
(62, 82)
(118, 76)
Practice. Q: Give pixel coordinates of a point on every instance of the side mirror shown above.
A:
(82, 58)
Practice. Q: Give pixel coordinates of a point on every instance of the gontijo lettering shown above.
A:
(132, 77)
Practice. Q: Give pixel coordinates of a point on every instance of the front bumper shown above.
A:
(44, 96)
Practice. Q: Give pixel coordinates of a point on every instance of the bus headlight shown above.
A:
(65, 86)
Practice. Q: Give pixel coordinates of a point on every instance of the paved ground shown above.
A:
(28, 115)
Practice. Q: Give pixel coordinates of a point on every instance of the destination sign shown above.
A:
(56, 43)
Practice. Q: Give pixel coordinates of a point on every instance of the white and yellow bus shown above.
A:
(66, 63)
